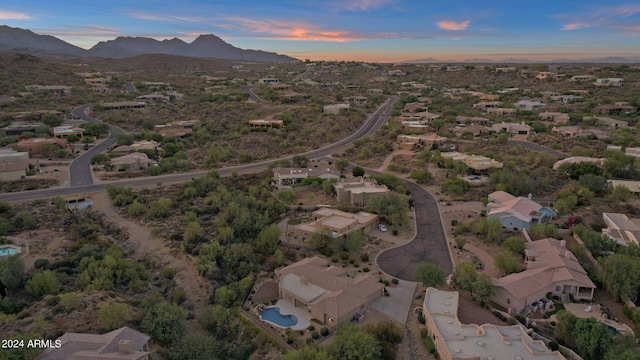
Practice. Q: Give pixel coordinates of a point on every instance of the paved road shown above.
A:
(80, 168)
(375, 121)
(539, 148)
(429, 245)
(249, 90)
(129, 87)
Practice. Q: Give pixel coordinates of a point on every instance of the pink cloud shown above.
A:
(610, 18)
(11, 15)
(452, 25)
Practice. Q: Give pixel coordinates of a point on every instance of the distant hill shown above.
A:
(207, 46)
(610, 60)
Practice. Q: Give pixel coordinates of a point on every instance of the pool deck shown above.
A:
(287, 308)
(580, 310)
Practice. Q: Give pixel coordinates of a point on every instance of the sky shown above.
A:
(360, 30)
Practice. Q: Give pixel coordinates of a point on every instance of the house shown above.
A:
(501, 111)
(33, 146)
(609, 82)
(475, 162)
(456, 341)
(527, 73)
(124, 344)
(505, 68)
(566, 98)
(338, 222)
(576, 131)
(18, 128)
(633, 186)
(512, 128)
(153, 97)
(418, 126)
(66, 130)
(476, 130)
(144, 145)
(472, 120)
(632, 151)
(611, 123)
(266, 123)
(550, 268)
(530, 105)
(133, 161)
(582, 77)
(621, 229)
(335, 108)
(325, 290)
(615, 109)
(412, 142)
(268, 80)
(484, 105)
(122, 105)
(13, 164)
(516, 213)
(357, 100)
(358, 192)
(287, 176)
(181, 128)
(544, 75)
(554, 116)
(577, 159)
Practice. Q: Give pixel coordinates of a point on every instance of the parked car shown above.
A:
(382, 227)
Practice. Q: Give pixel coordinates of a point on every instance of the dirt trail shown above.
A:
(148, 246)
(389, 158)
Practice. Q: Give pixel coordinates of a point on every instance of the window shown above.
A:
(509, 301)
(558, 288)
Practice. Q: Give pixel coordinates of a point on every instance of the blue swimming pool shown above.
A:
(7, 250)
(273, 315)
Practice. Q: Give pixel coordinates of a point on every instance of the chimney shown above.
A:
(529, 196)
(563, 243)
(125, 347)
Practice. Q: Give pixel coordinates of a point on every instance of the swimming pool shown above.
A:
(7, 250)
(273, 316)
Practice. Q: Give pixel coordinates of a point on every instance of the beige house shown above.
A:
(121, 105)
(611, 123)
(335, 108)
(633, 186)
(133, 161)
(551, 268)
(456, 341)
(530, 105)
(337, 222)
(13, 164)
(326, 291)
(501, 111)
(621, 229)
(577, 159)
(554, 116)
(266, 123)
(66, 130)
(411, 142)
(120, 344)
(475, 162)
(512, 128)
(357, 100)
(358, 192)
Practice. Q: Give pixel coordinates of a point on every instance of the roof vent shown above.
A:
(480, 343)
(508, 343)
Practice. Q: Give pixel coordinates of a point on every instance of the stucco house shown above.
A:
(326, 291)
(516, 213)
(338, 222)
(358, 192)
(621, 229)
(283, 177)
(551, 268)
(124, 343)
(133, 161)
(454, 340)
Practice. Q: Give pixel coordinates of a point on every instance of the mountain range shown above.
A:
(605, 60)
(206, 46)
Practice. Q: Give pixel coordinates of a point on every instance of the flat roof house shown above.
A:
(554, 116)
(33, 145)
(266, 123)
(577, 159)
(358, 192)
(66, 130)
(475, 162)
(516, 212)
(335, 108)
(326, 291)
(551, 267)
(13, 164)
(609, 82)
(512, 128)
(633, 186)
(411, 142)
(530, 105)
(124, 344)
(456, 341)
(133, 161)
(337, 222)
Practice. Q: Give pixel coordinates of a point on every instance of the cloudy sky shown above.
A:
(366, 30)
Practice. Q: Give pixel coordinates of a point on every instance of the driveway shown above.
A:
(429, 245)
(398, 303)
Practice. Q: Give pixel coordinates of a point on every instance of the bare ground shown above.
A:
(146, 246)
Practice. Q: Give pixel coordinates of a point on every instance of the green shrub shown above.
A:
(311, 328)
(324, 331)
(314, 334)
(364, 257)
(394, 231)
(168, 273)
(553, 346)
(344, 255)
(428, 343)
(365, 269)
(352, 259)
(41, 263)
(421, 319)
(335, 259)
(395, 281)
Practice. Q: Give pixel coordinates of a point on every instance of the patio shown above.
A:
(593, 310)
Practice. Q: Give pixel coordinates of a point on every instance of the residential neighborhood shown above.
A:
(272, 210)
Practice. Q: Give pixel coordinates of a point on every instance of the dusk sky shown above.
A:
(363, 30)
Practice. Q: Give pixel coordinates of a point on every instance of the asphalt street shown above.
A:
(429, 245)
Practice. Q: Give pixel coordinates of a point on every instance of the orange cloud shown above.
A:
(452, 25)
(11, 15)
